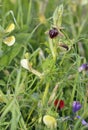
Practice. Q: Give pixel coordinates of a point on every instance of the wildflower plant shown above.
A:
(43, 68)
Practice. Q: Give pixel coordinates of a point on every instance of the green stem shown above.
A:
(52, 49)
(18, 81)
(74, 87)
(45, 94)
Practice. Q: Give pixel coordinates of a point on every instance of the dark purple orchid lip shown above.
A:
(53, 32)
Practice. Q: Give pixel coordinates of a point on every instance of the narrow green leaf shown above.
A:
(7, 109)
(15, 118)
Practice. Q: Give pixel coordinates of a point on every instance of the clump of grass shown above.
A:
(43, 65)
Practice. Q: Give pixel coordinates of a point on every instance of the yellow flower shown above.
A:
(9, 41)
(50, 121)
(10, 28)
(42, 19)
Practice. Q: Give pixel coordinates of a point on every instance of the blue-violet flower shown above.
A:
(83, 121)
(83, 67)
(76, 106)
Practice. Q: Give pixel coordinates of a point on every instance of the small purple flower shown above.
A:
(76, 106)
(83, 67)
(83, 121)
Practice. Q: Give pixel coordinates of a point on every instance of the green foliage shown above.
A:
(25, 92)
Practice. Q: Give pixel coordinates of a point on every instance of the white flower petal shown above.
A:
(24, 64)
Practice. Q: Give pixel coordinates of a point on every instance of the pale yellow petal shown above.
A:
(10, 28)
(50, 121)
(9, 41)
